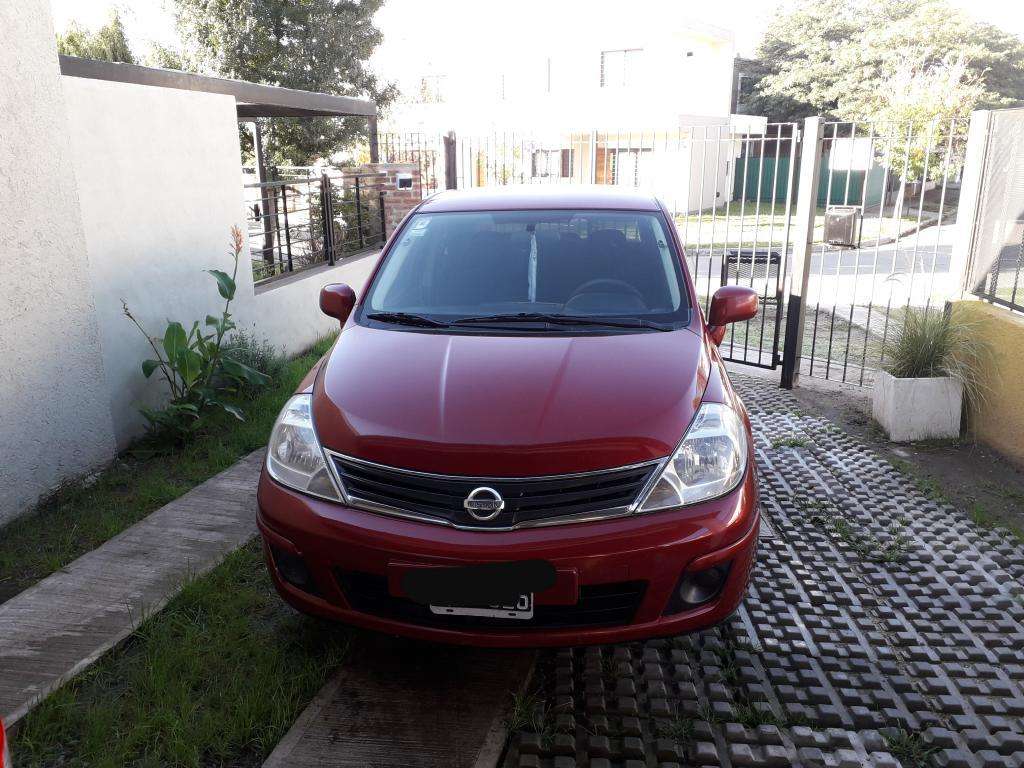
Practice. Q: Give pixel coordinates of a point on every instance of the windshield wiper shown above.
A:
(541, 317)
(406, 318)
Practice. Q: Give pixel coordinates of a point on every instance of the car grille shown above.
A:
(599, 605)
(527, 500)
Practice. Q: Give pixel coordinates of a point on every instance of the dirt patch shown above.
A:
(981, 483)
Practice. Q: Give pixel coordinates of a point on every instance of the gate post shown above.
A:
(806, 202)
(451, 175)
(374, 137)
(961, 261)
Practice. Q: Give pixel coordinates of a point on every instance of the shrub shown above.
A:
(932, 344)
(258, 354)
(198, 372)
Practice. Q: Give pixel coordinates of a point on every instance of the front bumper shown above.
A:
(615, 577)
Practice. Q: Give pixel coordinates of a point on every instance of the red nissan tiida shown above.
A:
(523, 436)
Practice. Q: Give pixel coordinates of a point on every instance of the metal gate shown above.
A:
(730, 191)
(895, 187)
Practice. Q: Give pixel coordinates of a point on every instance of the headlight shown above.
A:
(708, 463)
(294, 456)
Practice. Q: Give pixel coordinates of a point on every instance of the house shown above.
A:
(632, 102)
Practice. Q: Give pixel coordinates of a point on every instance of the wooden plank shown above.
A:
(403, 703)
(60, 626)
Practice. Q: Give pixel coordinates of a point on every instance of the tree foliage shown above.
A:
(849, 59)
(313, 45)
(108, 43)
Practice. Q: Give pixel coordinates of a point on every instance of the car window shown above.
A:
(589, 264)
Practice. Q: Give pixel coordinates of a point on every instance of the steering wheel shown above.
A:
(606, 285)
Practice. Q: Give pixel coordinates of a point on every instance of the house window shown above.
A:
(630, 167)
(552, 163)
(620, 68)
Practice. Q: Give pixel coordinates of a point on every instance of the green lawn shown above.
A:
(766, 226)
(80, 517)
(215, 679)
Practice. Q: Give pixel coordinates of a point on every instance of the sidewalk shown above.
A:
(60, 626)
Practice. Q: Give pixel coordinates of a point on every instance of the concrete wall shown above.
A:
(1000, 422)
(160, 184)
(53, 395)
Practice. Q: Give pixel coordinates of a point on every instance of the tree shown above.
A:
(841, 58)
(313, 45)
(108, 43)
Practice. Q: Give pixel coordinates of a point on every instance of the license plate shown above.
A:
(523, 609)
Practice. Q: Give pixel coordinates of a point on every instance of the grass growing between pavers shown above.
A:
(79, 517)
(215, 679)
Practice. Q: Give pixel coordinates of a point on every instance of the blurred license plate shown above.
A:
(523, 609)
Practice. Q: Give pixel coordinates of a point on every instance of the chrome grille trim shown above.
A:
(655, 466)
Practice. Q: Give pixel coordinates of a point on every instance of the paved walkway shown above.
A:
(58, 627)
(882, 629)
(403, 703)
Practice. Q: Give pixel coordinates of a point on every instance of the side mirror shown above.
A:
(730, 304)
(337, 300)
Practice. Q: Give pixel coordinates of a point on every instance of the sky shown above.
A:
(441, 35)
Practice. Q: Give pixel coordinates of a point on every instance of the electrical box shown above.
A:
(842, 225)
(403, 180)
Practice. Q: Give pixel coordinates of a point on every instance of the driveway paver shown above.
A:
(882, 628)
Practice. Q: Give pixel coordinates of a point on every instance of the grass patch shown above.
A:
(868, 546)
(910, 749)
(679, 729)
(985, 519)
(215, 679)
(80, 516)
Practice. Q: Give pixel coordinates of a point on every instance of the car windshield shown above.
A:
(538, 270)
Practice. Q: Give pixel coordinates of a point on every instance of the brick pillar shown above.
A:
(397, 202)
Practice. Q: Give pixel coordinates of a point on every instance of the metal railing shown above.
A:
(306, 221)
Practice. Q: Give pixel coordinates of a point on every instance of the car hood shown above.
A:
(508, 406)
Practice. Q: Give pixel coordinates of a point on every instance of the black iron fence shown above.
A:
(880, 216)
(305, 221)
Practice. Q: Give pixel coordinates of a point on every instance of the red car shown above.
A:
(523, 436)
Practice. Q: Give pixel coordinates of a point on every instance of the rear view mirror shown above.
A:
(337, 300)
(730, 304)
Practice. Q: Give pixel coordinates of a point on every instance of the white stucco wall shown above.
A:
(160, 184)
(54, 418)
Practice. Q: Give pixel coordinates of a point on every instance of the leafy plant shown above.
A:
(932, 344)
(198, 369)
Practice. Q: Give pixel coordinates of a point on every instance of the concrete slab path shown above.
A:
(58, 627)
(403, 703)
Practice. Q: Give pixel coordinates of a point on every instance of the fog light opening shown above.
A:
(293, 570)
(696, 588)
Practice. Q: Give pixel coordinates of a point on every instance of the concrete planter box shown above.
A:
(918, 409)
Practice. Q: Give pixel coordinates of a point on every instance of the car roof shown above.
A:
(538, 197)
